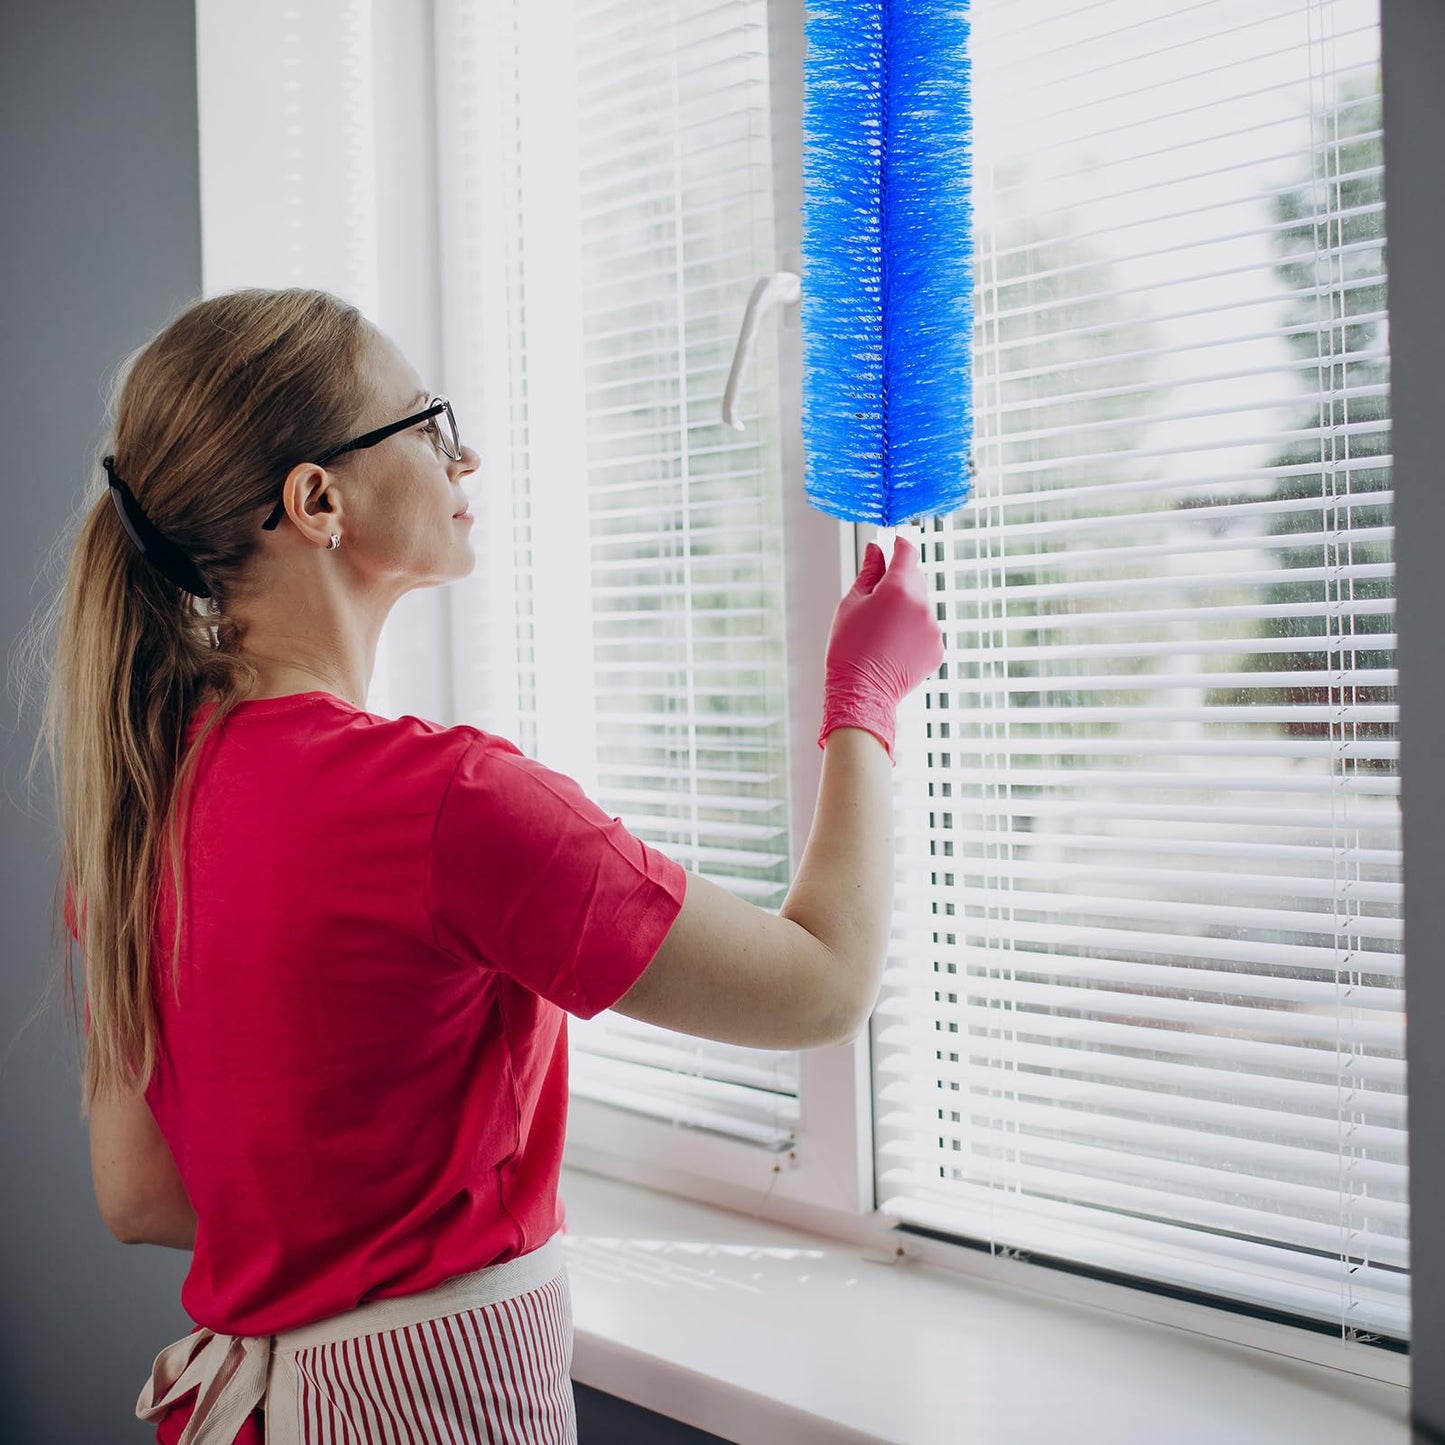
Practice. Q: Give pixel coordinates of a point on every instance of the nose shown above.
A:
(470, 460)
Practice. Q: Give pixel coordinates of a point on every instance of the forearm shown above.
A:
(170, 1222)
(843, 891)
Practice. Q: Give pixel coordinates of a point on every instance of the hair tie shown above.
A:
(168, 559)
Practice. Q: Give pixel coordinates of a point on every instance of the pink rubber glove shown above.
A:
(885, 641)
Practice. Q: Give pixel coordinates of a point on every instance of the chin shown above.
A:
(468, 561)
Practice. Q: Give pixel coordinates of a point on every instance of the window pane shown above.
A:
(669, 222)
(1145, 1011)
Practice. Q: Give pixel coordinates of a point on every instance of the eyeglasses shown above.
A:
(445, 437)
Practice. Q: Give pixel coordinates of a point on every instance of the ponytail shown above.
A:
(207, 419)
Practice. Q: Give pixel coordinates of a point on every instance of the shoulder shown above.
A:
(409, 754)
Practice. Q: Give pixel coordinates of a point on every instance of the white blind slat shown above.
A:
(1247, 1056)
(992, 1062)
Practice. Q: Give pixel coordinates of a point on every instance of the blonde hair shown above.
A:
(208, 417)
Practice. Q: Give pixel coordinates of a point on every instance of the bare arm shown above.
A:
(843, 891)
(172, 1223)
(808, 975)
(137, 1184)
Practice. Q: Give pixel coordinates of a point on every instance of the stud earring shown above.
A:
(334, 543)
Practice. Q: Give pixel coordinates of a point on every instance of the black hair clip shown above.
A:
(168, 559)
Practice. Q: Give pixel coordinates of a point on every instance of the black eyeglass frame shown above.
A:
(369, 439)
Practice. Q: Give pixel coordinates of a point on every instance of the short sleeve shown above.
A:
(528, 876)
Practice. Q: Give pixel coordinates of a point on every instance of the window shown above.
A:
(1143, 1012)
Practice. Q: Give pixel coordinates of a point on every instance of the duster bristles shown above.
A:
(887, 277)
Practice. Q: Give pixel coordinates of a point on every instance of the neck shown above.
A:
(281, 682)
(287, 682)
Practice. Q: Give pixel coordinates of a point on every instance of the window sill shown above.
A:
(759, 1332)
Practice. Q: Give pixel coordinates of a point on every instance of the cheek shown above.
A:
(420, 511)
(411, 501)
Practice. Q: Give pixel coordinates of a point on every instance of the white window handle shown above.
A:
(782, 286)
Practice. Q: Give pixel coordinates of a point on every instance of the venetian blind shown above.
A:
(635, 159)
(1144, 1008)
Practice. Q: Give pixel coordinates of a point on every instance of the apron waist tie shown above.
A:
(236, 1373)
(231, 1371)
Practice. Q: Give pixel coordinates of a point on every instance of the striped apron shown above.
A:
(485, 1357)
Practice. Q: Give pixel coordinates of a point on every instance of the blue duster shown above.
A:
(887, 284)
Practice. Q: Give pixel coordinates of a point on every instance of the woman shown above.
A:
(328, 956)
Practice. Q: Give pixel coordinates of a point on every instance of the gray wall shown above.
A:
(101, 242)
(99, 245)
(1412, 60)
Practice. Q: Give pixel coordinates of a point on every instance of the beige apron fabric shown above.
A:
(238, 1372)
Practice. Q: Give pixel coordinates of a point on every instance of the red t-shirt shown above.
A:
(364, 1084)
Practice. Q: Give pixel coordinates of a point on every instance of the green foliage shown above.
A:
(1061, 359)
(1330, 242)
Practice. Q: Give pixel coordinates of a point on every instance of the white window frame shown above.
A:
(830, 1170)
(287, 201)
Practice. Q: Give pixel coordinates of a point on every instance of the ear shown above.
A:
(305, 489)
